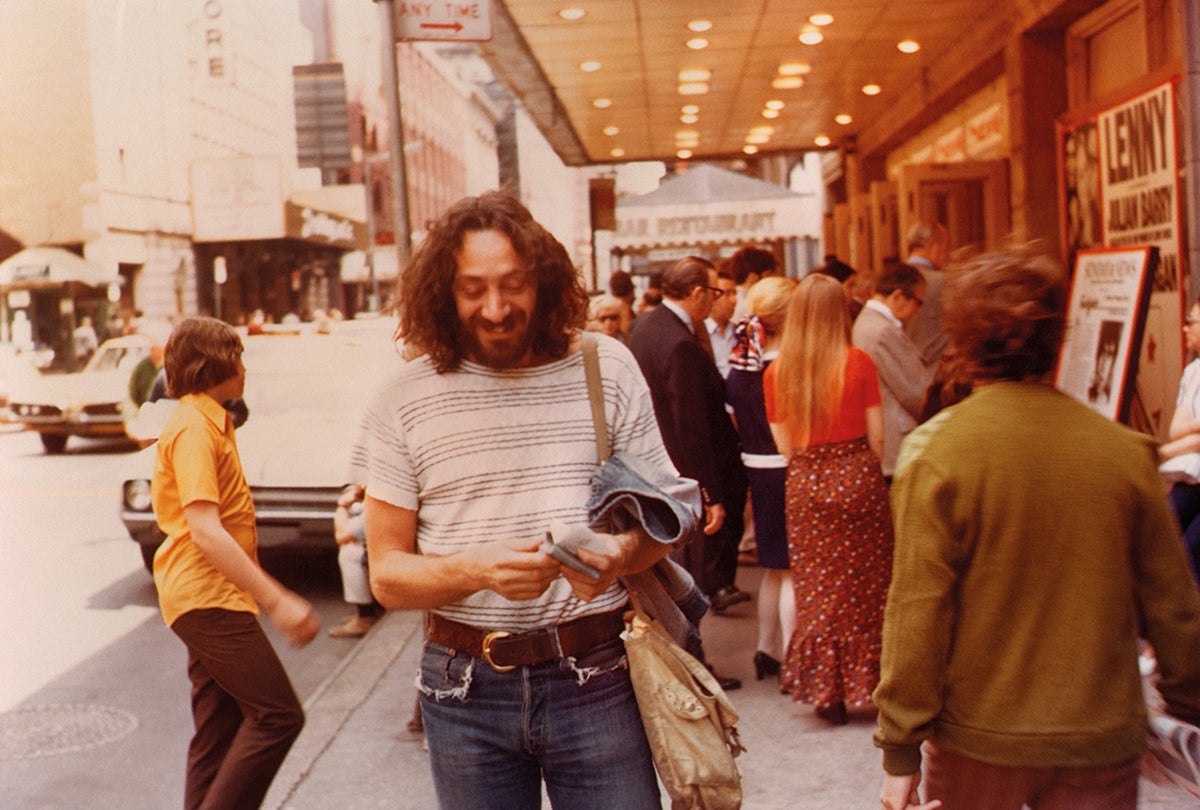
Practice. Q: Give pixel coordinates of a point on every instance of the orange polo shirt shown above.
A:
(198, 461)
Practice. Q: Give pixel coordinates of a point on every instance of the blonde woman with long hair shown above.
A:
(823, 401)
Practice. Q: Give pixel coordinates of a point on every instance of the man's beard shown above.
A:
(503, 355)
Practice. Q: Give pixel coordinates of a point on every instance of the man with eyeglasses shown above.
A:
(904, 378)
(689, 402)
(719, 323)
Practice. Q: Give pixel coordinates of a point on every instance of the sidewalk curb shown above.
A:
(344, 692)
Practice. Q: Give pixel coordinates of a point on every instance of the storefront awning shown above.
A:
(43, 266)
(709, 205)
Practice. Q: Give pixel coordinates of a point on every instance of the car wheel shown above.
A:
(148, 556)
(54, 443)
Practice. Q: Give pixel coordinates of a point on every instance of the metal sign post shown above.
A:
(391, 90)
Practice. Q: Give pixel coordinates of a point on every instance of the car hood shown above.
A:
(296, 449)
(69, 389)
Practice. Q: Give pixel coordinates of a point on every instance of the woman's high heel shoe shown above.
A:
(764, 665)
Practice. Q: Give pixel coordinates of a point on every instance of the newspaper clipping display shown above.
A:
(1105, 317)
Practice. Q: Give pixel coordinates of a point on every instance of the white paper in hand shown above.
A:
(562, 542)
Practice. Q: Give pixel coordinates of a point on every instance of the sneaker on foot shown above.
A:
(353, 627)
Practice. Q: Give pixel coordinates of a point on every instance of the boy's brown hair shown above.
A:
(200, 353)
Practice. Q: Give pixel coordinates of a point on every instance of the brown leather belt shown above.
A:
(504, 651)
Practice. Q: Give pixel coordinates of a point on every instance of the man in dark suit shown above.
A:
(689, 403)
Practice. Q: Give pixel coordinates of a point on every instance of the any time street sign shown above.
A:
(445, 20)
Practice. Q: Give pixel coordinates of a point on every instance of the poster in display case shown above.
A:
(1106, 315)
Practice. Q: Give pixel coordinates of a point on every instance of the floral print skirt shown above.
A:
(839, 523)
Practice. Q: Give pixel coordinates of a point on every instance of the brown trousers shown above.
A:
(245, 712)
(963, 783)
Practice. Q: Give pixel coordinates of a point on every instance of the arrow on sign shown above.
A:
(455, 27)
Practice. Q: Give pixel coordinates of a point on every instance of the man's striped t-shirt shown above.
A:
(484, 454)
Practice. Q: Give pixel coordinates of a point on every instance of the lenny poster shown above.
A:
(1120, 187)
(1106, 315)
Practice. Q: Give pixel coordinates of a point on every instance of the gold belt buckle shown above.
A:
(487, 650)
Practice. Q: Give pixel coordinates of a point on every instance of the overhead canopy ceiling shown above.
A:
(641, 48)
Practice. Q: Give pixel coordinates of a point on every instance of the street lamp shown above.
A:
(220, 276)
(373, 296)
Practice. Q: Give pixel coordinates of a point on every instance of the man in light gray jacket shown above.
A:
(903, 376)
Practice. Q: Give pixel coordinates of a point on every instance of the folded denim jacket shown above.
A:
(626, 492)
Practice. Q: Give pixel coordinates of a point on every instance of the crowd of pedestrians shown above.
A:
(946, 539)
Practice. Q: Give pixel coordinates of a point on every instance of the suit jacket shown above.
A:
(689, 400)
(903, 377)
(925, 328)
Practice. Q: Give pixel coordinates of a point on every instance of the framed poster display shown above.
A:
(1120, 185)
(1106, 315)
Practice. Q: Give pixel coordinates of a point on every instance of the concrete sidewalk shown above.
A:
(355, 752)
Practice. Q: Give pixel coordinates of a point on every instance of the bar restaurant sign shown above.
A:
(714, 223)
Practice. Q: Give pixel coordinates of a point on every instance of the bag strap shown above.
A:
(595, 386)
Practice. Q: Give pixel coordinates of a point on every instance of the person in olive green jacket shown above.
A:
(1033, 538)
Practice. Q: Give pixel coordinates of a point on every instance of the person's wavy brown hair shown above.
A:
(428, 316)
(1004, 313)
(200, 353)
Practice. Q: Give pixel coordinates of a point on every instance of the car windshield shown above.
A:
(112, 358)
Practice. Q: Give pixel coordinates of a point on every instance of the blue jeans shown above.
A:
(1185, 500)
(493, 737)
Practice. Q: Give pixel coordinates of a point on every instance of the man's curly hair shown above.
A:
(1005, 313)
(428, 316)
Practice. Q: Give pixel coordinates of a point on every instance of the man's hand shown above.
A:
(714, 518)
(516, 569)
(610, 554)
(900, 793)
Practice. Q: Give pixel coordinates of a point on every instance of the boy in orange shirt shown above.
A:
(209, 582)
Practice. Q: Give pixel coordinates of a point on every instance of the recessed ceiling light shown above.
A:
(811, 35)
(822, 140)
(618, 152)
(689, 109)
(758, 139)
(696, 74)
(871, 89)
(602, 103)
(693, 88)
(700, 26)
(688, 119)
(908, 46)
(686, 135)
(610, 131)
(762, 129)
(843, 119)
(572, 13)
(683, 154)
(750, 149)
(774, 104)
(821, 18)
(787, 82)
(769, 113)
(590, 66)
(794, 68)
(697, 43)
